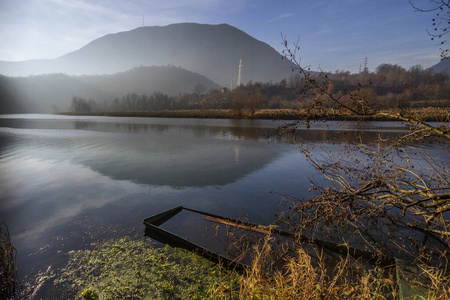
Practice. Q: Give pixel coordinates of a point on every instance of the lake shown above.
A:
(67, 181)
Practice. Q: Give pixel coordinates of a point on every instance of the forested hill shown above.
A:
(211, 50)
(54, 92)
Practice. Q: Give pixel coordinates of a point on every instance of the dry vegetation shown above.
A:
(8, 268)
(434, 114)
(301, 278)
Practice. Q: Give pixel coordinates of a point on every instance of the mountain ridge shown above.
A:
(211, 50)
(441, 67)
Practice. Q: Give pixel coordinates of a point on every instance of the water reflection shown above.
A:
(191, 154)
(182, 159)
(40, 194)
(63, 179)
(241, 129)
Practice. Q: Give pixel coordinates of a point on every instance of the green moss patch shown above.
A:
(135, 269)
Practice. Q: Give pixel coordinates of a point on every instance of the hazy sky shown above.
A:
(334, 34)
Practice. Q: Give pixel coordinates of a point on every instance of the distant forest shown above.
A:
(390, 86)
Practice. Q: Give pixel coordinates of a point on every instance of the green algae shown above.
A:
(136, 269)
(89, 294)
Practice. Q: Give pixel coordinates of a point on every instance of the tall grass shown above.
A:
(301, 277)
(306, 273)
(8, 268)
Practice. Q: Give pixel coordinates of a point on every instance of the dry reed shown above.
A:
(8, 267)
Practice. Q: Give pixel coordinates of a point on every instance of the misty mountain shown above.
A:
(211, 50)
(53, 92)
(442, 67)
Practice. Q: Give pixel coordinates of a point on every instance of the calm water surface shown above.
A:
(68, 181)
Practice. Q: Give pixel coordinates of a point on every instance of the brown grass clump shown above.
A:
(305, 276)
(302, 278)
(438, 286)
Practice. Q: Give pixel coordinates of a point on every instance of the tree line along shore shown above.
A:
(389, 88)
(429, 114)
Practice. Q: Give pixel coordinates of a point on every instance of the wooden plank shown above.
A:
(160, 218)
(239, 225)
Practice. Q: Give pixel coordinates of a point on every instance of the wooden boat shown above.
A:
(192, 230)
(215, 237)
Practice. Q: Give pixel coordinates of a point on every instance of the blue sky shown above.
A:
(336, 34)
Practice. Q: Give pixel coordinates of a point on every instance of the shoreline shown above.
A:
(424, 114)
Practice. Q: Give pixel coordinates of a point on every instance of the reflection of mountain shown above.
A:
(185, 161)
(154, 154)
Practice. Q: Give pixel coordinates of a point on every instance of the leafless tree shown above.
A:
(441, 21)
(391, 195)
